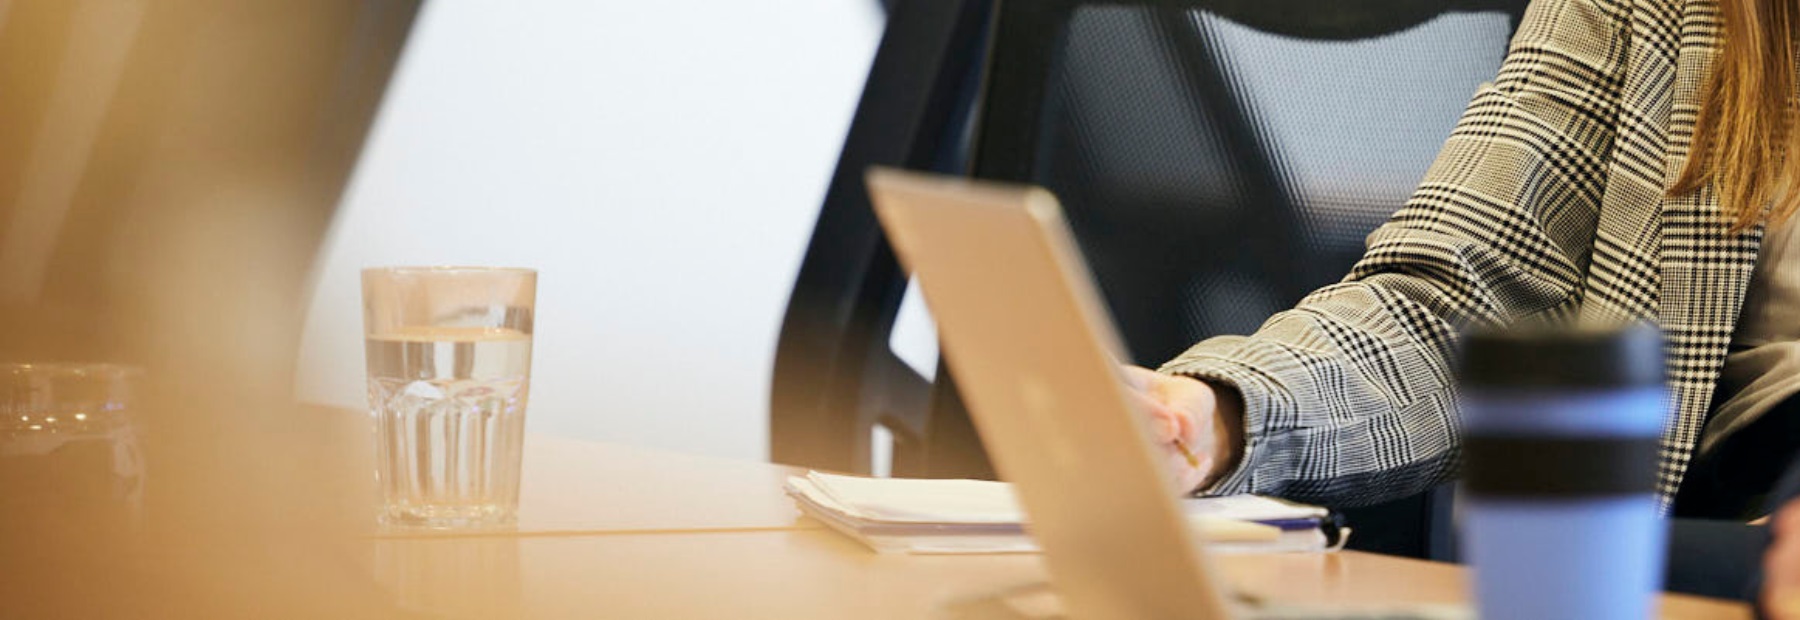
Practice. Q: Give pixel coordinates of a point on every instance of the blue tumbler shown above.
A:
(1560, 436)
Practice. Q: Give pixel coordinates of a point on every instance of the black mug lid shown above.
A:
(1562, 357)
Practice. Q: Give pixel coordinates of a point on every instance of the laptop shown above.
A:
(1036, 357)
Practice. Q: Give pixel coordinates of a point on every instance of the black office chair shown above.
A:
(835, 377)
(1218, 159)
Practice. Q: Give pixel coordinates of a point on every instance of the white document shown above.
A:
(977, 516)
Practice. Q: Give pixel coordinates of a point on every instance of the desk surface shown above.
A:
(614, 531)
(807, 574)
(571, 486)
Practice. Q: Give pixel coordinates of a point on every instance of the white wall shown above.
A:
(661, 164)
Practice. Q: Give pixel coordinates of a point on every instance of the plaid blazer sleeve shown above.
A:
(1348, 397)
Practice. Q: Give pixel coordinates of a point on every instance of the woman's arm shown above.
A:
(1347, 398)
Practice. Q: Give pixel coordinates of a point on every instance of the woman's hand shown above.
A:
(1206, 422)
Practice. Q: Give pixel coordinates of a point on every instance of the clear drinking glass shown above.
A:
(449, 355)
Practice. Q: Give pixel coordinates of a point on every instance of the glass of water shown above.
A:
(449, 357)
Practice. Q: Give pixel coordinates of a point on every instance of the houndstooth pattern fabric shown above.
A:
(1547, 201)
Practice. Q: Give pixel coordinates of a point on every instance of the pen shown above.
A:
(1193, 461)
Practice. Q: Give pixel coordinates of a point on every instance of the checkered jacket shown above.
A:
(1548, 200)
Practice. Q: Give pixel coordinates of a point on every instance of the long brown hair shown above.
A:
(1745, 130)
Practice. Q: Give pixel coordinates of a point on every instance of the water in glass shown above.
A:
(450, 418)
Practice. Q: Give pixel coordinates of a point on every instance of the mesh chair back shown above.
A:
(1215, 172)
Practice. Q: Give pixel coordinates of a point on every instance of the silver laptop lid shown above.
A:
(1036, 357)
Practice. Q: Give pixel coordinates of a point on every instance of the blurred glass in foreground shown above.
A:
(69, 445)
(167, 171)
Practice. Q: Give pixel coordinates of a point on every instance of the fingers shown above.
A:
(1165, 422)
(1164, 398)
(1176, 406)
(1187, 477)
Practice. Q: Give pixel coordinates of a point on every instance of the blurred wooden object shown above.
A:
(167, 170)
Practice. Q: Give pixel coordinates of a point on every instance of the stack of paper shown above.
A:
(976, 516)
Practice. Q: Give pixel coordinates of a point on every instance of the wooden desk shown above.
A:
(571, 487)
(806, 574)
(617, 532)
(575, 487)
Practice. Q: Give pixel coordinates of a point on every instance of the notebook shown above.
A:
(894, 515)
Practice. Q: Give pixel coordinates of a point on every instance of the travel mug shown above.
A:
(1560, 442)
